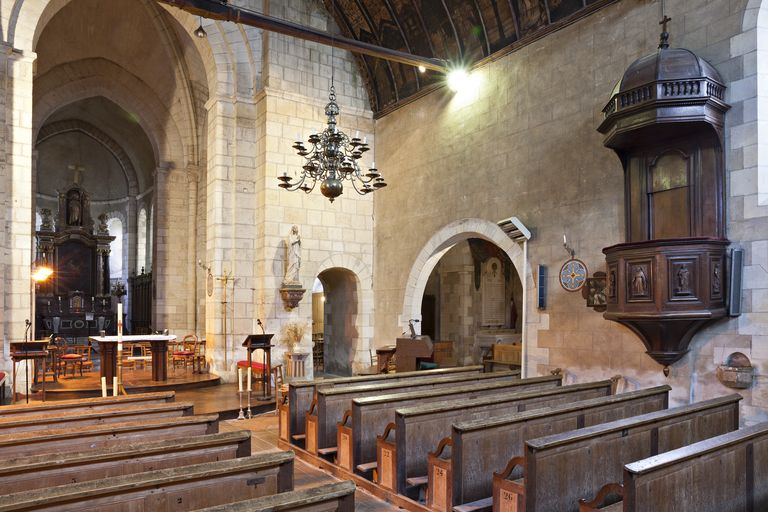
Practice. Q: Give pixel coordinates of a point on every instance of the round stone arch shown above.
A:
(446, 238)
(363, 317)
(100, 77)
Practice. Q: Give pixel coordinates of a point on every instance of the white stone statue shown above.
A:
(293, 260)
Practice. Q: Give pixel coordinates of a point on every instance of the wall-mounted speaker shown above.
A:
(735, 282)
(542, 286)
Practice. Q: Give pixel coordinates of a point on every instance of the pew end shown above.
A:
(344, 442)
(386, 458)
(605, 499)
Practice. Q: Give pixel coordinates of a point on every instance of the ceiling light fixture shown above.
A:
(200, 31)
(458, 79)
(333, 158)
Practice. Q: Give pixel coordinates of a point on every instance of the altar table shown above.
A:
(158, 346)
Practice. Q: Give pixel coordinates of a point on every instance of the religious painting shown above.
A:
(639, 281)
(74, 268)
(682, 279)
(595, 290)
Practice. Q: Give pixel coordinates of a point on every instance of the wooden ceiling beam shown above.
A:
(218, 10)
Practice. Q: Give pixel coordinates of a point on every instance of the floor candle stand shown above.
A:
(240, 415)
(248, 414)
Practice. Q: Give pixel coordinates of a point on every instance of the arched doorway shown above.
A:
(446, 238)
(340, 310)
(472, 299)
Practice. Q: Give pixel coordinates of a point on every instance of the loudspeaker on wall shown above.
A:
(735, 282)
(542, 286)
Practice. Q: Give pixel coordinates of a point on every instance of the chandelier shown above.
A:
(331, 159)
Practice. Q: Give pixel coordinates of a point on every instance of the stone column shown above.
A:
(159, 231)
(193, 176)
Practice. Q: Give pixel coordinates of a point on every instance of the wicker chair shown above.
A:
(186, 353)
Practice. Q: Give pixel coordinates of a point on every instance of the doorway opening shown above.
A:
(339, 319)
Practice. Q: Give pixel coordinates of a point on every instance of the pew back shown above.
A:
(480, 447)
(729, 471)
(333, 402)
(596, 455)
(74, 418)
(372, 414)
(420, 428)
(176, 489)
(335, 497)
(102, 436)
(301, 393)
(50, 470)
(83, 404)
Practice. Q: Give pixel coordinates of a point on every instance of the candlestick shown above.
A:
(103, 386)
(239, 380)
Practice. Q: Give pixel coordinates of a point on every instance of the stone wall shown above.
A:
(526, 145)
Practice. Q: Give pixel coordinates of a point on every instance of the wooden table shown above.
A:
(158, 346)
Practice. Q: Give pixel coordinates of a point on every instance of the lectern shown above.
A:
(261, 341)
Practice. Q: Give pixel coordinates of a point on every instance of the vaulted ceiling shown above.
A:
(456, 30)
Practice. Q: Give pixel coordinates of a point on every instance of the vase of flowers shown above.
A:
(291, 335)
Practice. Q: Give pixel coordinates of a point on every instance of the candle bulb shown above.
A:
(357, 134)
(564, 240)
(240, 380)
(249, 378)
(103, 386)
(373, 165)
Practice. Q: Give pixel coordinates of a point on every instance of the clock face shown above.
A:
(573, 275)
(209, 283)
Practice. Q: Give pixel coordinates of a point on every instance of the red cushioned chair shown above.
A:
(186, 353)
(256, 368)
(79, 357)
(3, 376)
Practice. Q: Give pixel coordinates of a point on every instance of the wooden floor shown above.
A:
(264, 439)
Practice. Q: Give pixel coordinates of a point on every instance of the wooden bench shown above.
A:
(509, 356)
(335, 497)
(401, 452)
(27, 444)
(372, 414)
(301, 394)
(330, 404)
(723, 473)
(175, 489)
(595, 455)
(49, 470)
(74, 418)
(460, 470)
(84, 404)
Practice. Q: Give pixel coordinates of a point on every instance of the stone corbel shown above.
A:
(292, 295)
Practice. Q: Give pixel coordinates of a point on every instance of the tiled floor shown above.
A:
(264, 439)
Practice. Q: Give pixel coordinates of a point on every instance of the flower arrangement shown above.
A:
(292, 333)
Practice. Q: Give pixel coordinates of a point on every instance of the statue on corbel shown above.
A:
(291, 290)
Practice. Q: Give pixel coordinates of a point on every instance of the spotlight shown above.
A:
(458, 79)
(422, 69)
(200, 31)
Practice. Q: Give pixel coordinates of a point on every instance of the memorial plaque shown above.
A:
(494, 311)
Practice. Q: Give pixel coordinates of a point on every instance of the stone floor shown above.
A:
(264, 439)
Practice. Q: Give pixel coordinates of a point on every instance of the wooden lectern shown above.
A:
(28, 350)
(409, 351)
(261, 341)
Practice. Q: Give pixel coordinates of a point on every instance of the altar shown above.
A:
(158, 346)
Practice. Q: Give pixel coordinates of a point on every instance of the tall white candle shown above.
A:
(104, 386)
(240, 380)
(120, 322)
(114, 386)
(249, 378)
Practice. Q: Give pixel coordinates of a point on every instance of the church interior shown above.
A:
(316, 255)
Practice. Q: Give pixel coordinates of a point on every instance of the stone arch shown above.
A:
(76, 125)
(441, 242)
(364, 316)
(100, 77)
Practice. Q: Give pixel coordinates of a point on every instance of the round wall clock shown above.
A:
(573, 275)
(209, 284)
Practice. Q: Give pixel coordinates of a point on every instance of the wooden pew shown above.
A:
(596, 454)
(27, 473)
(728, 472)
(507, 356)
(335, 497)
(85, 404)
(72, 418)
(301, 393)
(330, 404)
(460, 470)
(406, 443)
(27, 444)
(357, 446)
(175, 489)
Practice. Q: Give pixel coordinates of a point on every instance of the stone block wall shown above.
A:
(526, 144)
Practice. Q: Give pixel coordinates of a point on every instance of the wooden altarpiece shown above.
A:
(76, 301)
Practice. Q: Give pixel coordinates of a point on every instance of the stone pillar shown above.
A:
(193, 174)
(16, 211)
(159, 231)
